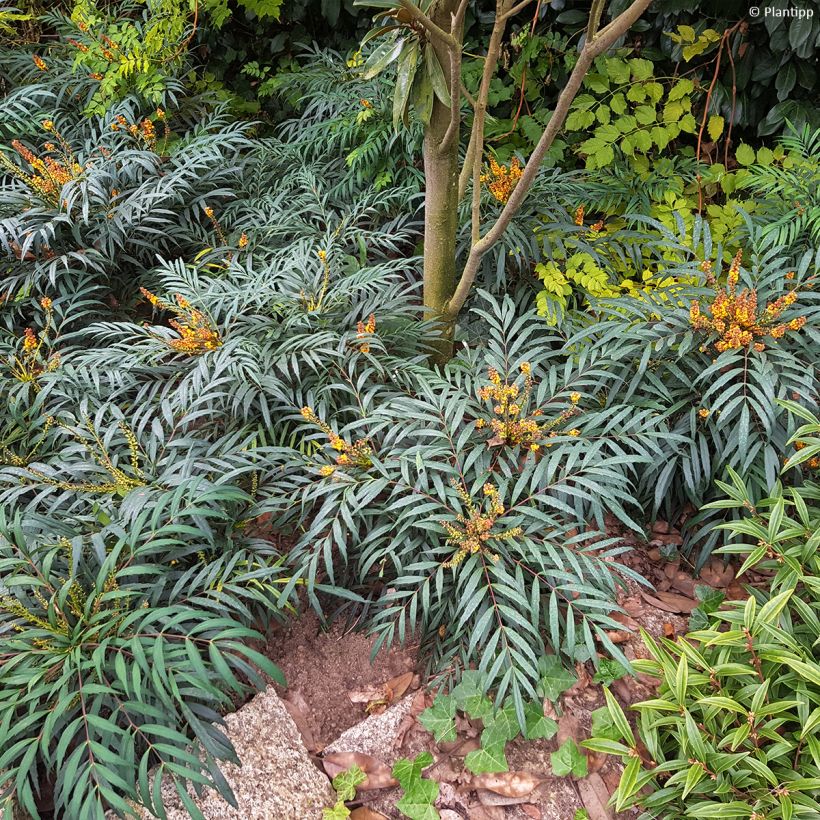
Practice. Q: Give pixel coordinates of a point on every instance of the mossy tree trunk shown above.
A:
(441, 171)
(447, 283)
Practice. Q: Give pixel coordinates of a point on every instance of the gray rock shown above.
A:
(376, 735)
(277, 779)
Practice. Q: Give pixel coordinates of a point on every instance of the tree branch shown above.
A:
(455, 76)
(515, 9)
(592, 49)
(420, 17)
(594, 19)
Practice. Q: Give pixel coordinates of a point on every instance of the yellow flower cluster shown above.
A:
(144, 131)
(364, 330)
(355, 454)
(501, 180)
(472, 531)
(512, 423)
(48, 174)
(196, 332)
(120, 482)
(812, 463)
(734, 316)
(31, 364)
(579, 215)
(39, 62)
(315, 302)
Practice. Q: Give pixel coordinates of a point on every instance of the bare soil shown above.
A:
(322, 667)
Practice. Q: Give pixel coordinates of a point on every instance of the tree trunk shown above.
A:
(441, 171)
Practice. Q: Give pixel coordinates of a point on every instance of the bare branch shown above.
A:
(455, 76)
(598, 45)
(595, 13)
(515, 9)
(420, 17)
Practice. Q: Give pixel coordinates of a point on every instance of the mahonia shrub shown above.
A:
(127, 619)
(735, 728)
(87, 204)
(716, 360)
(468, 505)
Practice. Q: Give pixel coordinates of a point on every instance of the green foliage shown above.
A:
(501, 723)
(633, 111)
(438, 468)
(345, 784)
(733, 730)
(122, 651)
(419, 73)
(419, 792)
(788, 190)
(608, 671)
(722, 407)
(568, 760)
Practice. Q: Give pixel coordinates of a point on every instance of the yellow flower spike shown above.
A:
(575, 397)
(704, 413)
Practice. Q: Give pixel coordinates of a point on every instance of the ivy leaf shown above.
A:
(487, 759)
(503, 726)
(608, 670)
(537, 725)
(555, 678)
(469, 695)
(440, 718)
(569, 759)
(419, 793)
(603, 726)
(338, 812)
(345, 783)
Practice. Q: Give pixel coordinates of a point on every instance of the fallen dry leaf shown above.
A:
(488, 798)
(366, 695)
(583, 680)
(684, 583)
(623, 689)
(364, 813)
(595, 795)
(378, 774)
(569, 728)
(378, 698)
(479, 812)
(633, 607)
(670, 601)
(461, 747)
(508, 784)
(531, 810)
(718, 574)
